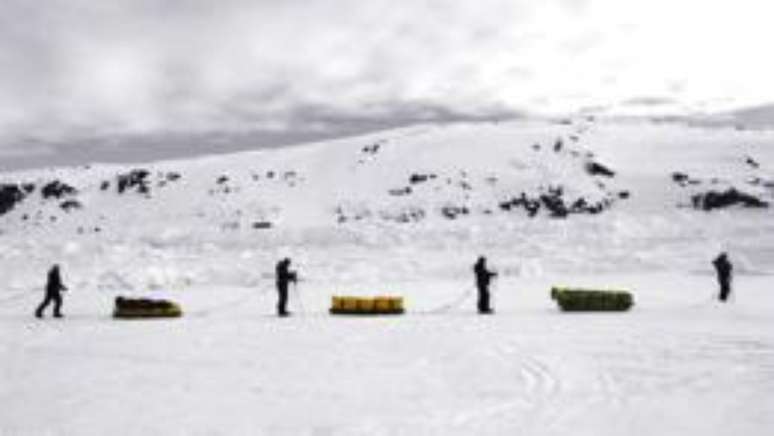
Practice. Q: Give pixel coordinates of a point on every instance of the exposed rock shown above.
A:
(172, 176)
(752, 162)
(554, 202)
(262, 225)
(597, 169)
(684, 179)
(57, 189)
(371, 149)
(10, 196)
(69, 205)
(404, 216)
(452, 212)
(420, 178)
(398, 192)
(717, 200)
(136, 179)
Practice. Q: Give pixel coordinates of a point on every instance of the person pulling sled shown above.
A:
(724, 270)
(483, 280)
(54, 288)
(284, 276)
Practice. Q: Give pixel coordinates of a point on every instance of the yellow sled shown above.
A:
(366, 306)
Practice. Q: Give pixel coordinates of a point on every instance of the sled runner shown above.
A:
(134, 308)
(579, 299)
(366, 306)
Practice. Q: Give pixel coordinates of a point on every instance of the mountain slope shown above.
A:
(572, 195)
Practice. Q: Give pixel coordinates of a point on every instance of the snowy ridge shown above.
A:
(453, 189)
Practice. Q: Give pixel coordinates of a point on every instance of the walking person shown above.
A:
(54, 288)
(284, 275)
(483, 280)
(724, 270)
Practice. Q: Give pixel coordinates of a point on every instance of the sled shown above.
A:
(144, 308)
(341, 305)
(581, 300)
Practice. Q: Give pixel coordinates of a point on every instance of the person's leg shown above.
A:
(725, 289)
(283, 300)
(485, 302)
(480, 304)
(42, 306)
(57, 306)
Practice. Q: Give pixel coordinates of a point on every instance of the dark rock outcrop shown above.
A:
(554, 202)
(684, 179)
(752, 162)
(10, 196)
(452, 212)
(721, 199)
(262, 225)
(57, 189)
(69, 205)
(135, 179)
(597, 169)
(420, 178)
(399, 192)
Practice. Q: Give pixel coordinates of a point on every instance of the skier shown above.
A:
(284, 276)
(724, 269)
(483, 278)
(54, 287)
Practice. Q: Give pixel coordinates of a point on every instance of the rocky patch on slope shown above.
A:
(707, 194)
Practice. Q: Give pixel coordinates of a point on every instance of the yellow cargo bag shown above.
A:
(383, 305)
(365, 305)
(337, 303)
(349, 304)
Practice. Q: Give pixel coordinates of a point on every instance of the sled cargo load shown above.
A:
(366, 306)
(579, 299)
(135, 308)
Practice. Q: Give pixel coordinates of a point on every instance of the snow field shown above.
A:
(230, 367)
(678, 363)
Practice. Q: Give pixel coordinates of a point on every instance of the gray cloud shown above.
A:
(76, 69)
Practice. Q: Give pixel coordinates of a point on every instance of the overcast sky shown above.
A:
(90, 68)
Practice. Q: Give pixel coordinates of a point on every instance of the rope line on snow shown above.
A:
(453, 304)
(206, 312)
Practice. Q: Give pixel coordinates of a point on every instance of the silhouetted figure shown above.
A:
(483, 279)
(724, 270)
(54, 287)
(284, 276)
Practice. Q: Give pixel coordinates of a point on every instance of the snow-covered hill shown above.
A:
(568, 195)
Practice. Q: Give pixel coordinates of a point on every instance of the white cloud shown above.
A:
(76, 66)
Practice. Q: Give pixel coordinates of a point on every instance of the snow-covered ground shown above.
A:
(678, 363)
